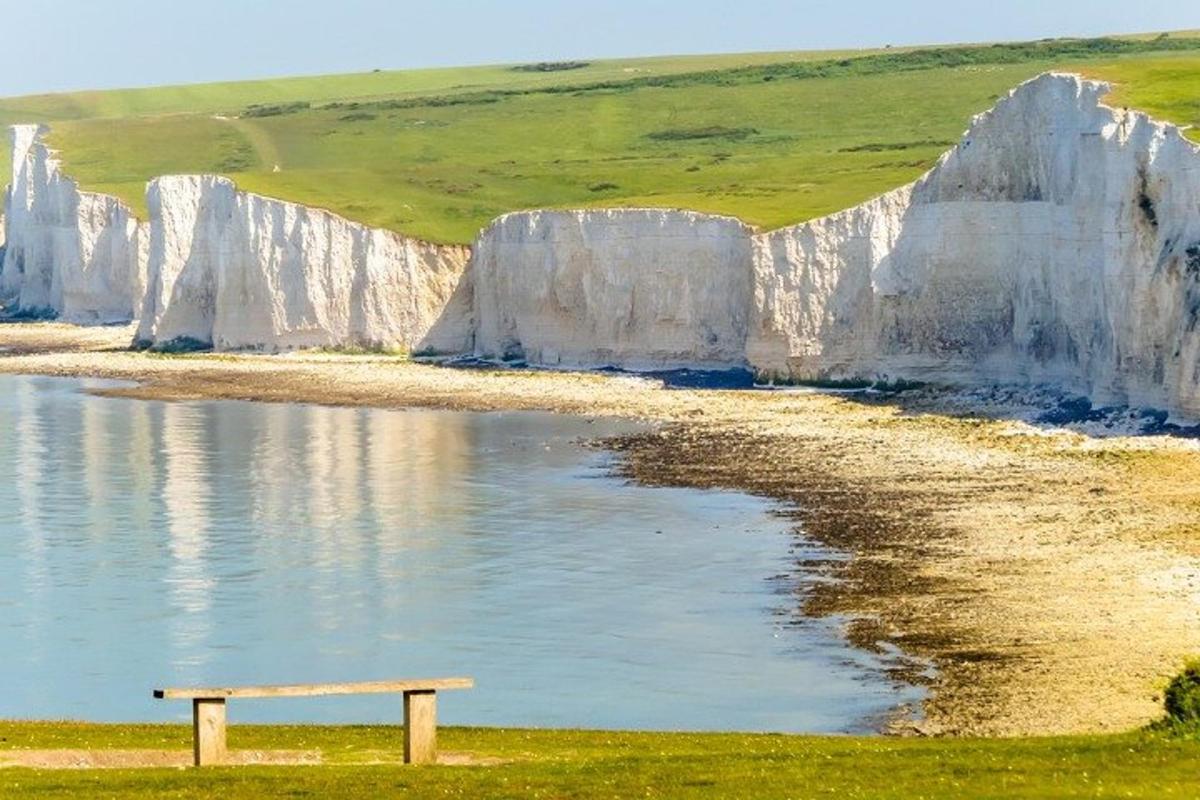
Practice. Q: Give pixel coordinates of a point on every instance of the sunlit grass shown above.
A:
(560, 763)
(1168, 88)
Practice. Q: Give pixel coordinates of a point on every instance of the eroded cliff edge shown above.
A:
(77, 255)
(241, 271)
(1058, 243)
(214, 265)
(632, 288)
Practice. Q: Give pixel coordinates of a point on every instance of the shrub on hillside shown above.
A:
(275, 109)
(707, 132)
(551, 66)
(1182, 697)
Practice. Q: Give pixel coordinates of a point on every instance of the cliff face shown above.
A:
(75, 254)
(242, 271)
(1058, 243)
(222, 267)
(641, 289)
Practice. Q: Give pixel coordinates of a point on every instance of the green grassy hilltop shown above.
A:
(773, 138)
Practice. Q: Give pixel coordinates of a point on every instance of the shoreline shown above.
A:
(1053, 579)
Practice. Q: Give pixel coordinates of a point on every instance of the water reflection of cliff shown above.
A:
(326, 492)
(218, 509)
(354, 478)
(29, 463)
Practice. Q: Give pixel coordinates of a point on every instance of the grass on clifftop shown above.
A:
(561, 764)
(771, 138)
(1166, 87)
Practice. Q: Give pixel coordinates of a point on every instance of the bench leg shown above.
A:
(420, 727)
(208, 731)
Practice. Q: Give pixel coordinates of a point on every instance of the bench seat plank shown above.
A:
(315, 689)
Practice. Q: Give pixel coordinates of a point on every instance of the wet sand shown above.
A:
(1053, 579)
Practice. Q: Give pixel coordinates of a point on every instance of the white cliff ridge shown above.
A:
(77, 255)
(1058, 243)
(238, 271)
(640, 289)
(222, 267)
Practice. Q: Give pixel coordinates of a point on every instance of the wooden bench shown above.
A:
(420, 711)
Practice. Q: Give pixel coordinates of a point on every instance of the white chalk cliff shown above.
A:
(1058, 243)
(222, 267)
(78, 255)
(640, 289)
(241, 271)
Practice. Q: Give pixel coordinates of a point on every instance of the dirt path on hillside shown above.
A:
(260, 142)
(1054, 579)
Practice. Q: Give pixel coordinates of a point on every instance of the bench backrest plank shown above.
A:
(315, 689)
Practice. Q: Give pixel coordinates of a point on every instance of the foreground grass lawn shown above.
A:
(563, 764)
(773, 139)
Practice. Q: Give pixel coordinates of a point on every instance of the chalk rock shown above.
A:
(239, 271)
(1058, 243)
(635, 288)
(74, 254)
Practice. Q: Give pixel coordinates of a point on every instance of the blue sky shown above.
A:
(70, 44)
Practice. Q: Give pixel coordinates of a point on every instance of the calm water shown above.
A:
(145, 543)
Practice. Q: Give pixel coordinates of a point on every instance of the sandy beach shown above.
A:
(1053, 579)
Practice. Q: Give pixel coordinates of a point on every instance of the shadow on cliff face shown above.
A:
(452, 329)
